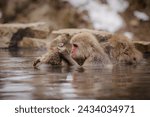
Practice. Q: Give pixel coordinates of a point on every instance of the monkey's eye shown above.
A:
(60, 44)
(75, 45)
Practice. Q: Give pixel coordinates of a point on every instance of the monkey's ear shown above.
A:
(60, 45)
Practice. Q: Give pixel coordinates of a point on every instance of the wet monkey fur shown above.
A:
(52, 56)
(86, 47)
(121, 50)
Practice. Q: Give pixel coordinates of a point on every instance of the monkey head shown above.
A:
(60, 41)
(122, 50)
(82, 45)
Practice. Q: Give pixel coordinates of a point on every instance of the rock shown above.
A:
(101, 35)
(143, 46)
(32, 43)
(11, 34)
(58, 13)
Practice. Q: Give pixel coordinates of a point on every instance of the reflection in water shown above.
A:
(19, 80)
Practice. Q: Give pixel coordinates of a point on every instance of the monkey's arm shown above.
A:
(69, 60)
(66, 57)
(51, 58)
(43, 59)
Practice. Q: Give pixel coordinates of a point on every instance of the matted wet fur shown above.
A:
(88, 49)
(52, 56)
(121, 50)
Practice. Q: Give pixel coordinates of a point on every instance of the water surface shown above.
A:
(19, 80)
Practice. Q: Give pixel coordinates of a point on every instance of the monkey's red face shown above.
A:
(74, 50)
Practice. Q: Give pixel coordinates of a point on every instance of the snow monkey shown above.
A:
(52, 57)
(85, 47)
(121, 50)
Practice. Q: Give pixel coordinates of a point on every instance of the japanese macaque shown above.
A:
(53, 57)
(85, 47)
(121, 50)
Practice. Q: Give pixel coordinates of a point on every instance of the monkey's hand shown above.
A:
(64, 53)
(42, 59)
(35, 63)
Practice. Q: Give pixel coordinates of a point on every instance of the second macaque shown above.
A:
(121, 50)
(52, 56)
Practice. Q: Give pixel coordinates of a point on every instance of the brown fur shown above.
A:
(49, 58)
(122, 50)
(89, 50)
(53, 57)
(61, 40)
